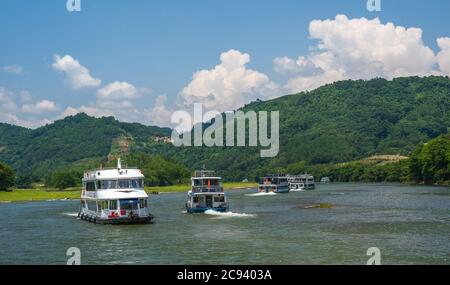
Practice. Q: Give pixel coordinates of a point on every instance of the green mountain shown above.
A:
(340, 122)
(74, 140)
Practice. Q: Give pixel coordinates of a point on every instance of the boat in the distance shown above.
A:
(114, 196)
(274, 184)
(206, 193)
(325, 180)
(306, 179)
(296, 187)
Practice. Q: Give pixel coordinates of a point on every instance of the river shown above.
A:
(409, 225)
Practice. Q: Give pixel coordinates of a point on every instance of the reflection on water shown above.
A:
(410, 225)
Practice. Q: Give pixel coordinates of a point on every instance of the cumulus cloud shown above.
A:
(89, 110)
(12, 113)
(40, 107)
(119, 99)
(77, 76)
(300, 65)
(159, 114)
(228, 85)
(15, 69)
(118, 90)
(360, 49)
(443, 56)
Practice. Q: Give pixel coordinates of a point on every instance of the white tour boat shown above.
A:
(114, 196)
(206, 193)
(273, 184)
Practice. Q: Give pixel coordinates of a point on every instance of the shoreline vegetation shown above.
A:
(49, 194)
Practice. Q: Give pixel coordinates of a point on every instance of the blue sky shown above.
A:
(155, 47)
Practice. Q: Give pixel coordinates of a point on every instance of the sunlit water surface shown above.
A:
(409, 224)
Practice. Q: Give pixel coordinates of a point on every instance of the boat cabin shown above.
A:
(206, 193)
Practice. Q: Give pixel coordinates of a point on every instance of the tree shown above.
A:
(64, 179)
(7, 177)
(430, 163)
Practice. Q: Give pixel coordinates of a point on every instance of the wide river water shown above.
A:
(409, 224)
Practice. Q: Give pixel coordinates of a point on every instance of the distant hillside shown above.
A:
(339, 122)
(75, 139)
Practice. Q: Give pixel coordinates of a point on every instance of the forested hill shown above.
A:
(72, 140)
(339, 122)
(335, 123)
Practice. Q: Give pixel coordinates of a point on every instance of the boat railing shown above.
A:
(205, 189)
(204, 173)
(109, 168)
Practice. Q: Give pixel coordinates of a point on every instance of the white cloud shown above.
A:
(77, 76)
(359, 49)
(12, 114)
(443, 56)
(300, 65)
(7, 103)
(89, 110)
(15, 69)
(118, 90)
(228, 85)
(40, 107)
(159, 114)
(5, 94)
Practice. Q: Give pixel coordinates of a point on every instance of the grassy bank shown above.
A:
(44, 194)
(22, 195)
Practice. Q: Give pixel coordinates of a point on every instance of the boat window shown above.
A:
(91, 205)
(113, 205)
(141, 183)
(219, 199)
(112, 184)
(123, 184)
(131, 204)
(84, 185)
(195, 199)
(103, 184)
(104, 205)
(145, 203)
(90, 186)
(134, 183)
(142, 203)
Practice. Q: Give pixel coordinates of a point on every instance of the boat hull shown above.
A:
(117, 221)
(202, 210)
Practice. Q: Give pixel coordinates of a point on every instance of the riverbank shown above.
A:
(45, 194)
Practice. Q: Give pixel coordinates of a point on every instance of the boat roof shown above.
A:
(113, 173)
(275, 176)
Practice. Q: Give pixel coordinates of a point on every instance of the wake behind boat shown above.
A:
(206, 193)
(114, 196)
